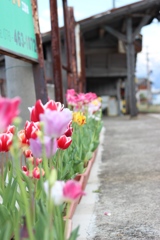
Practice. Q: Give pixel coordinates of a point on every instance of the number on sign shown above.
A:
(17, 2)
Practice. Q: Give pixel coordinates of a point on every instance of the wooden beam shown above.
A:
(131, 70)
(138, 15)
(96, 50)
(143, 22)
(105, 72)
(115, 33)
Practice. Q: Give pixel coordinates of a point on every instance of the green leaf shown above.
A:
(5, 222)
(74, 234)
(4, 215)
(7, 231)
(40, 226)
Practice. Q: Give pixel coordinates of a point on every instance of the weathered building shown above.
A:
(109, 43)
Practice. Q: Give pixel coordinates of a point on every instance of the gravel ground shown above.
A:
(129, 180)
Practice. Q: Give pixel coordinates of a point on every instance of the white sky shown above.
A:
(87, 8)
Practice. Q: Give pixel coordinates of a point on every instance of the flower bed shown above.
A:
(45, 166)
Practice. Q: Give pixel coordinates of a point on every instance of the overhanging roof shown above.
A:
(136, 10)
(115, 17)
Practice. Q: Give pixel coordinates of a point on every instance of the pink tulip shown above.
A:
(70, 93)
(72, 190)
(90, 96)
(71, 97)
(64, 192)
(56, 123)
(8, 111)
(81, 98)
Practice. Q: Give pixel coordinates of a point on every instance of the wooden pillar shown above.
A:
(78, 56)
(131, 70)
(67, 45)
(83, 67)
(73, 48)
(56, 52)
(38, 68)
(118, 86)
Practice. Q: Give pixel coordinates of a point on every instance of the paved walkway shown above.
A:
(125, 181)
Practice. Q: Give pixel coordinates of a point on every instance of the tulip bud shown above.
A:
(52, 177)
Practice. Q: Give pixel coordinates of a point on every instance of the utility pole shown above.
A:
(147, 62)
(114, 3)
(148, 77)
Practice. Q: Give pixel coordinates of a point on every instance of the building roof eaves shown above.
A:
(117, 13)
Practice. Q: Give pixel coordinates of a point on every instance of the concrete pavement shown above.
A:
(125, 181)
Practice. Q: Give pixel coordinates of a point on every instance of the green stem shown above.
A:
(27, 207)
(68, 209)
(16, 159)
(57, 164)
(2, 171)
(50, 214)
(59, 222)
